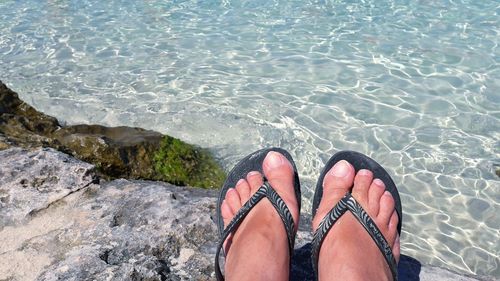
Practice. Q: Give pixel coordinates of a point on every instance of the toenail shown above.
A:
(253, 173)
(364, 172)
(387, 193)
(378, 182)
(340, 169)
(274, 160)
(240, 181)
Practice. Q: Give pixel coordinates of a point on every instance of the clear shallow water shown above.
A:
(414, 84)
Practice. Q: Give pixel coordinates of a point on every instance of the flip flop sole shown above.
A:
(359, 161)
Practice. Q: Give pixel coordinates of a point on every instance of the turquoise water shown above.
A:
(414, 84)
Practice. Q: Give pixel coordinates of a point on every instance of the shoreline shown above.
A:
(61, 221)
(54, 184)
(117, 152)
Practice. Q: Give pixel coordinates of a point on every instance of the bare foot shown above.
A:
(348, 252)
(258, 250)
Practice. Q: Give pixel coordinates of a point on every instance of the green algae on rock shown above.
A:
(136, 153)
(181, 164)
(117, 152)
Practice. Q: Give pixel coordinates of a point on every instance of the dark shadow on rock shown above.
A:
(301, 264)
(408, 268)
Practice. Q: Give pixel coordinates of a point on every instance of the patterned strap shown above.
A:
(348, 203)
(265, 191)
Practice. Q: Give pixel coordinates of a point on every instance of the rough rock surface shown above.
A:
(117, 152)
(29, 180)
(75, 228)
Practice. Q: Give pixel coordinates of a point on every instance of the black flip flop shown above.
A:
(348, 203)
(253, 162)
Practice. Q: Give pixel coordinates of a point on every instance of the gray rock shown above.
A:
(133, 231)
(66, 227)
(118, 230)
(32, 180)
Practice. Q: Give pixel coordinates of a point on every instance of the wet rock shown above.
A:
(116, 152)
(23, 125)
(136, 153)
(4, 143)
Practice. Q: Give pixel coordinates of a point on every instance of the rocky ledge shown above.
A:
(61, 222)
(117, 152)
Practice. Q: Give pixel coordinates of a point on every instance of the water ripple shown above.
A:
(414, 84)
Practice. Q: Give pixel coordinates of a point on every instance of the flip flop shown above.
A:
(253, 162)
(348, 203)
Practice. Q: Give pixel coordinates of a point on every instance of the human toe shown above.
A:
(243, 189)
(255, 181)
(226, 212)
(278, 169)
(280, 174)
(362, 182)
(336, 183)
(339, 179)
(393, 228)
(386, 207)
(376, 191)
(233, 200)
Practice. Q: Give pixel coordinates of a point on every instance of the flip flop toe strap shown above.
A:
(265, 191)
(348, 203)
